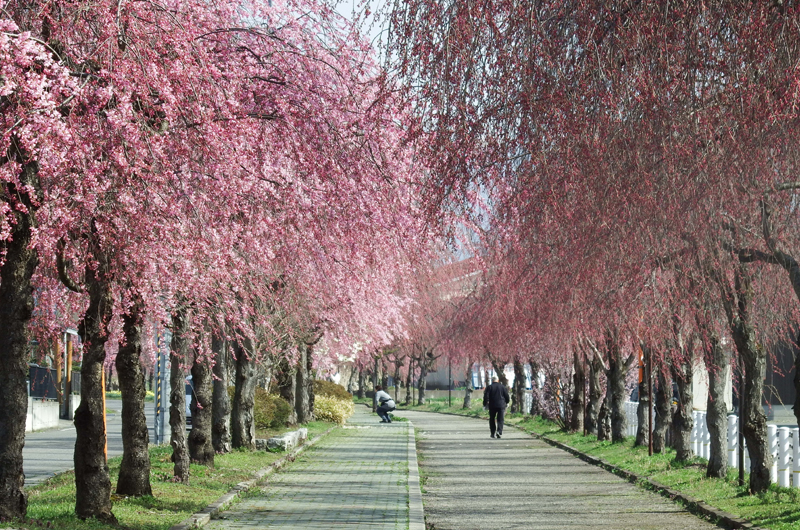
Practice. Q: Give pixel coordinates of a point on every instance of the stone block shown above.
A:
(284, 442)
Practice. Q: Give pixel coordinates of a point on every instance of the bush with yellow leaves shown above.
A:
(334, 410)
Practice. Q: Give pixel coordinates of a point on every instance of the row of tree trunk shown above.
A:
(604, 415)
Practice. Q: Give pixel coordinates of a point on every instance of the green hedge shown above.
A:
(330, 389)
(269, 411)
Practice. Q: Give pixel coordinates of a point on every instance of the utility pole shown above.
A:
(449, 381)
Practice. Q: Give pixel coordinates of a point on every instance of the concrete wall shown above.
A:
(45, 414)
(41, 415)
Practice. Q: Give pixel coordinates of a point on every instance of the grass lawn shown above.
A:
(52, 504)
(777, 509)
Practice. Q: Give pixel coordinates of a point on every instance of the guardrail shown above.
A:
(784, 444)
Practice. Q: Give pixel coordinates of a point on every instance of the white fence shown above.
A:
(784, 443)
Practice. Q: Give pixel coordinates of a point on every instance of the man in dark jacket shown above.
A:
(495, 398)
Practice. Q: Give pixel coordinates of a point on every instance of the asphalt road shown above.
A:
(49, 452)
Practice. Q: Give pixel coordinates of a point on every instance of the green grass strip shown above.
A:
(52, 503)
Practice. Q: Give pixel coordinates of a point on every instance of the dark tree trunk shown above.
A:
(663, 418)
(535, 390)
(384, 377)
(243, 429)
(310, 381)
(499, 370)
(642, 417)
(409, 382)
(201, 450)
(755, 421)
(796, 407)
(579, 386)
(717, 410)
(468, 385)
(595, 395)
(179, 352)
(134, 470)
(518, 401)
(682, 420)
(16, 309)
(617, 373)
(753, 355)
(423, 380)
(302, 398)
(361, 384)
(220, 432)
(287, 388)
(397, 366)
(643, 409)
(604, 421)
(92, 481)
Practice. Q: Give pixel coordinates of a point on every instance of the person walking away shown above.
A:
(385, 404)
(496, 398)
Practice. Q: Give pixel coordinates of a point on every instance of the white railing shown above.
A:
(784, 444)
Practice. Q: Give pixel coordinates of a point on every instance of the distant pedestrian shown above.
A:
(496, 398)
(385, 404)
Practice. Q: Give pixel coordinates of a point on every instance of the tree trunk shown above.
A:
(220, 432)
(423, 376)
(397, 367)
(310, 381)
(642, 416)
(683, 419)
(717, 410)
(201, 450)
(361, 384)
(384, 377)
(755, 421)
(604, 421)
(92, 481)
(287, 388)
(796, 407)
(134, 470)
(617, 373)
(753, 355)
(177, 395)
(16, 309)
(302, 401)
(663, 418)
(518, 401)
(499, 370)
(409, 381)
(243, 429)
(595, 396)
(535, 390)
(579, 386)
(468, 389)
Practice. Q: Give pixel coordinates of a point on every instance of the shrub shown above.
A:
(270, 411)
(331, 389)
(333, 410)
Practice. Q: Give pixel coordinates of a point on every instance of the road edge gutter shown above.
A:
(416, 511)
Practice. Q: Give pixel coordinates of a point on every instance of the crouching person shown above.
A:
(385, 404)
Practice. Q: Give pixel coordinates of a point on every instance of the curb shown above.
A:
(416, 512)
(204, 516)
(695, 506)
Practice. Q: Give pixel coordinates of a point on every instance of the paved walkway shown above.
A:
(475, 482)
(355, 478)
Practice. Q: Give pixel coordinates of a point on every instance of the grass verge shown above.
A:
(776, 509)
(52, 503)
